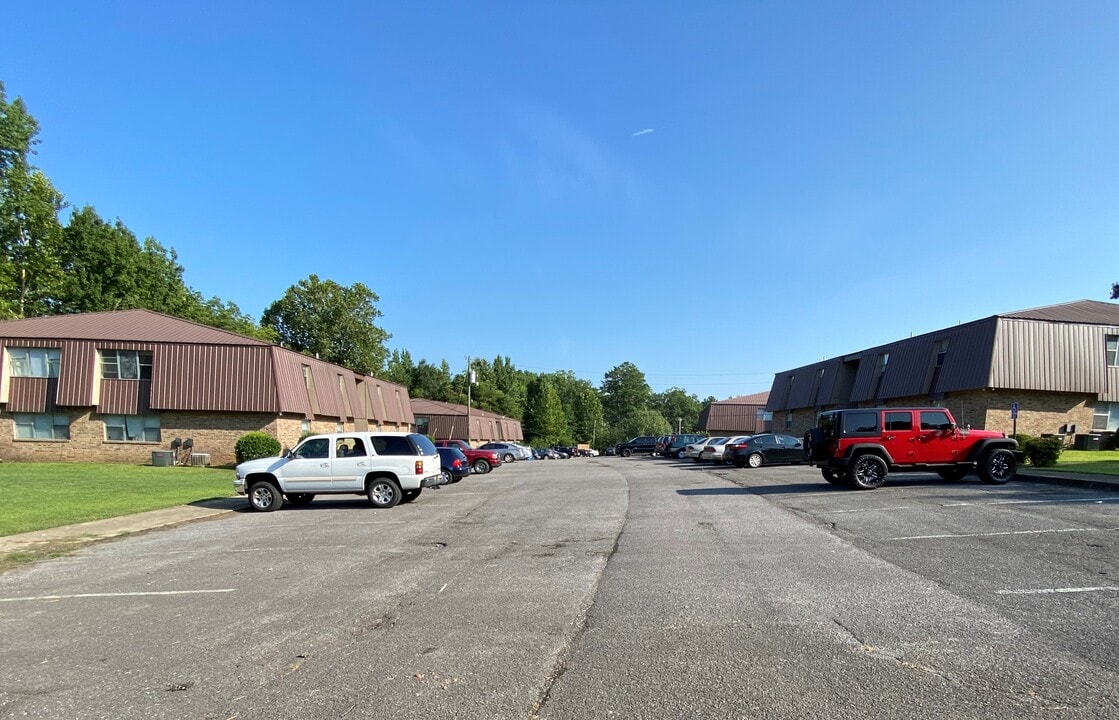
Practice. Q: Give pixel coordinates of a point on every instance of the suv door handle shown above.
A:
(325, 464)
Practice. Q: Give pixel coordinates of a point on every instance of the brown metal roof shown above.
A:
(756, 399)
(1089, 312)
(122, 326)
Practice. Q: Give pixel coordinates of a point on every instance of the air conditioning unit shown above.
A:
(200, 459)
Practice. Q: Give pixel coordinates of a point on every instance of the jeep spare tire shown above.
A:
(815, 444)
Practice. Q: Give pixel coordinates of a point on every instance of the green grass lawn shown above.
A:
(37, 496)
(1098, 462)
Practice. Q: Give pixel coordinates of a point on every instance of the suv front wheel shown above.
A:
(997, 466)
(868, 472)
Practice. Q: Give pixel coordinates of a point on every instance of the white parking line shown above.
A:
(994, 534)
(837, 512)
(112, 595)
(1052, 591)
(1097, 500)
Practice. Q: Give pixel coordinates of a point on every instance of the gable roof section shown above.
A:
(756, 399)
(123, 326)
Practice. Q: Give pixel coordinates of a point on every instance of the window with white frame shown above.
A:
(1112, 348)
(35, 362)
(1106, 416)
(132, 428)
(126, 365)
(41, 426)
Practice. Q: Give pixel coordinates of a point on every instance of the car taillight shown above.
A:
(419, 467)
(456, 464)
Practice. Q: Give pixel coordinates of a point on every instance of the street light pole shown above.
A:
(678, 424)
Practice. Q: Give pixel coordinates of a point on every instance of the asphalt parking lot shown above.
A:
(607, 587)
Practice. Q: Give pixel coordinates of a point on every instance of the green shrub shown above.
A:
(1043, 452)
(251, 446)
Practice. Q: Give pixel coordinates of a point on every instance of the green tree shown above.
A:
(678, 408)
(544, 422)
(331, 321)
(29, 229)
(431, 381)
(398, 369)
(587, 424)
(624, 393)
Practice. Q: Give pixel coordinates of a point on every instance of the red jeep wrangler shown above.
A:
(860, 446)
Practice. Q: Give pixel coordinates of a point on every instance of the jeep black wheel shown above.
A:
(868, 472)
(300, 499)
(755, 460)
(997, 466)
(481, 466)
(953, 474)
(383, 492)
(833, 476)
(264, 497)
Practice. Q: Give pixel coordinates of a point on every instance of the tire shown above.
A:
(509, 457)
(953, 474)
(626, 452)
(446, 475)
(815, 444)
(680, 454)
(755, 460)
(482, 466)
(409, 495)
(868, 472)
(383, 492)
(833, 477)
(300, 499)
(265, 497)
(997, 466)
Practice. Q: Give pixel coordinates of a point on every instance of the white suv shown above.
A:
(388, 467)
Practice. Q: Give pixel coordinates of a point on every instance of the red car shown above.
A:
(481, 461)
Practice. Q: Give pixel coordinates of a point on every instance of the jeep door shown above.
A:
(351, 463)
(898, 435)
(308, 470)
(938, 441)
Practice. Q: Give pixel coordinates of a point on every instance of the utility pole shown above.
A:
(469, 382)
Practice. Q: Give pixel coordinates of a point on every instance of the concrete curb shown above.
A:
(125, 525)
(1084, 480)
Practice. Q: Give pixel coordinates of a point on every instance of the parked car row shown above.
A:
(738, 450)
(387, 467)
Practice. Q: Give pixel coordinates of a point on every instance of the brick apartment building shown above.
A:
(449, 421)
(744, 415)
(114, 386)
(1059, 363)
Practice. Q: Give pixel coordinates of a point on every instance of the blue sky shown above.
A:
(713, 191)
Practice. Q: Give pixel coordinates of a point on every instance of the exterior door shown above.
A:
(351, 462)
(938, 441)
(898, 436)
(309, 468)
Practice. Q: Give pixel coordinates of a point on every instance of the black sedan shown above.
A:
(455, 466)
(765, 449)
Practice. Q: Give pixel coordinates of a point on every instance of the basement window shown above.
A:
(132, 428)
(42, 426)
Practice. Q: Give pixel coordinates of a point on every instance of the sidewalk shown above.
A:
(124, 525)
(217, 507)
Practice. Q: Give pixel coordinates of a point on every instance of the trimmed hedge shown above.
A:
(253, 445)
(1041, 452)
